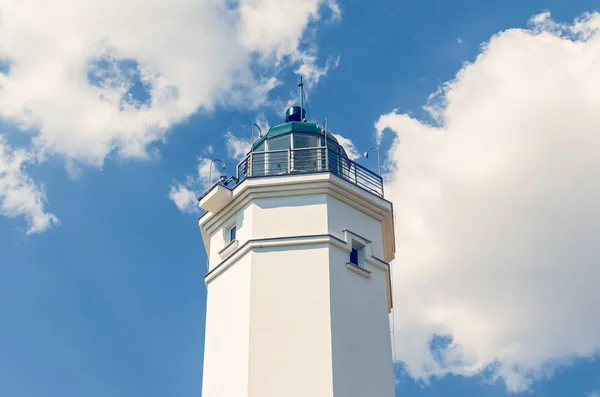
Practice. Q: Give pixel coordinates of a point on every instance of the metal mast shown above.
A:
(301, 85)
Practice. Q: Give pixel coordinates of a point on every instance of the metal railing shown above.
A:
(315, 159)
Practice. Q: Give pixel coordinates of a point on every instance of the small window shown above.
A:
(357, 255)
(232, 233)
(354, 256)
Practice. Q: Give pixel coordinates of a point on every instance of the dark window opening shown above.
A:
(354, 256)
(232, 234)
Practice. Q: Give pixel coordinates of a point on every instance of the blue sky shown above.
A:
(110, 300)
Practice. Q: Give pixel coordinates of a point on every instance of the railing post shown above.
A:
(249, 167)
(289, 167)
(326, 154)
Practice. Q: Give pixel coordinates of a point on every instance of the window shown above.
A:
(306, 141)
(232, 233)
(310, 160)
(354, 256)
(357, 255)
(258, 161)
(279, 143)
(277, 162)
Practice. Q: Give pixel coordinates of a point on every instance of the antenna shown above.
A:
(301, 85)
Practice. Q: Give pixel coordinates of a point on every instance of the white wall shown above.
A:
(219, 238)
(272, 217)
(362, 351)
(227, 333)
(290, 339)
(291, 320)
(289, 216)
(341, 216)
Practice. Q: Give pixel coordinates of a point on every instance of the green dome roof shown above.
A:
(293, 126)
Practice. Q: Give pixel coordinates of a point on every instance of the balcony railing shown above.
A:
(305, 160)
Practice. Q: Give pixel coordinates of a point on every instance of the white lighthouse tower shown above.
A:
(299, 245)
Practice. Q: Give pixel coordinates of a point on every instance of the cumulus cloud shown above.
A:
(91, 77)
(183, 197)
(97, 76)
(497, 215)
(19, 195)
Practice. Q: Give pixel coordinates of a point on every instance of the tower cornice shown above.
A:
(231, 201)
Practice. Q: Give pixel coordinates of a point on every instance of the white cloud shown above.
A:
(92, 77)
(459, 40)
(19, 195)
(348, 145)
(204, 172)
(183, 197)
(336, 11)
(287, 20)
(592, 394)
(312, 72)
(497, 215)
(262, 123)
(185, 194)
(237, 148)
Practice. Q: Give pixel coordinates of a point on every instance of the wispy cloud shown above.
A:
(311, 71)
(262, 123)
(237, 147)
(185, 194)
(19, 194)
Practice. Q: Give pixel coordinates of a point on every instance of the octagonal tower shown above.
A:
(299, 243)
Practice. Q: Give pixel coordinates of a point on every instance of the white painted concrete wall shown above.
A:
(289, 216)
(361, 350)
(292, 320)
(227, 333)
(341, 216)
(272, 217)
(219, 238)
(290, 339)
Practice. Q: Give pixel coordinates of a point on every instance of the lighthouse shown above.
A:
(299, 243)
